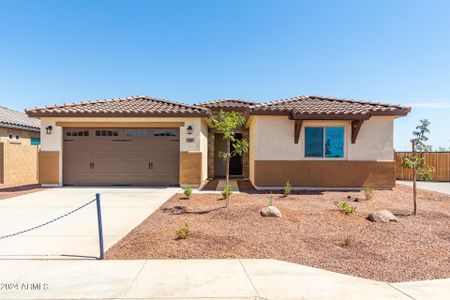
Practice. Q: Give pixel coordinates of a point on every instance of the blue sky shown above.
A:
(191, 51)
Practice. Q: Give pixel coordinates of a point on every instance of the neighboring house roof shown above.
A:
(15, 119)
(226, 103)
(127, 107)
(319, 107)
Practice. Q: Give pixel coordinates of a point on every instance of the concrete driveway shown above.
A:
(76, 235)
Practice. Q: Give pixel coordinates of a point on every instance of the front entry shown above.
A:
(220, 145)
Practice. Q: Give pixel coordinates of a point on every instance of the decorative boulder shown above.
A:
(383, 216)
(270, 211)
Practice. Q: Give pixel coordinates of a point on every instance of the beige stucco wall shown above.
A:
(272, 138)
(252, 144)
(204, 148)
(19, 164)
(54, 141)
(274, 156)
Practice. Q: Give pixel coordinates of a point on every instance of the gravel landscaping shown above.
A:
(311, 231)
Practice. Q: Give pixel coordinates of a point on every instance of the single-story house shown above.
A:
(311, 141)
(19, 140)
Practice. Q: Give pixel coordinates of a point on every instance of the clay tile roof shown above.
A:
(15, 119)
(130, 106)
(226, 103)
(326, 106)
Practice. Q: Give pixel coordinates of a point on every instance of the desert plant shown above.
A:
(187, 191)
(183, 232)
(287, 189)
(227, 123)
(346, 241)
(426, 174)
(417, 163)
(368, 193)
(227, 190)
(345, 207)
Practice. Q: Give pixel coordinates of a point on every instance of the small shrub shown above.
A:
(368, 193)
(345, 207)
(187, 191)
(425, 174)
(183, 232)
(346, 242)
(227, 190)
(287, 189)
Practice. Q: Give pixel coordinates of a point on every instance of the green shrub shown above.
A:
(183, 232)
(345, 207)
(425, 174)
(287, 189)
(368, 193)
(187, 191)
(227, 190)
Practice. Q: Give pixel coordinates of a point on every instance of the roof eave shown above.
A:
(110, 115)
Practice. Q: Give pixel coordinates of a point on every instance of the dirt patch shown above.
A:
(9, 192)
(311, 232)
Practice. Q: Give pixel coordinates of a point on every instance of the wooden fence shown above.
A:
(439, 161)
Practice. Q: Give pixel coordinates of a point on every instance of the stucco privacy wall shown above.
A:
(273, 139)
(2, 159)
(19, 164)
(54, 141)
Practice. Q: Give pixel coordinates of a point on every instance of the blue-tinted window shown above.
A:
(35, 141)
(314, 141)
(334, 142)
(325, 142)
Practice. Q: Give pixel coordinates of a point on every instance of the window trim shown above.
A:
(324, 125)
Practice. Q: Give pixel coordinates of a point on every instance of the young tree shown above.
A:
(421, 136)
(227, 123)
(417, 163)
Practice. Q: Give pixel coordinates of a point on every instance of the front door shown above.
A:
(220, 145)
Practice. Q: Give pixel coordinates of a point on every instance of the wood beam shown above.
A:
(356, 126)
(297, 129)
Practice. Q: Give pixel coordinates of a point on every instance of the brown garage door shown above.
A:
(146, 156)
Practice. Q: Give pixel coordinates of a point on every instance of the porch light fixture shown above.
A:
(189, 129)
(48, 129)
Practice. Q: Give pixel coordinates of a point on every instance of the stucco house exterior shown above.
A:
(19, 140)
(311, 141)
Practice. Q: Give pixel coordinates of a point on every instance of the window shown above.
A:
(106, 133)
(136, 132)
(165, 132)
(35, 141)
(77, 133)
(324, 142)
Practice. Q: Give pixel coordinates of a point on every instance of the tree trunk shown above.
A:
(227, 184)
(414, 179)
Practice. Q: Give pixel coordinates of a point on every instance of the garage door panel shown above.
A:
(120, 159)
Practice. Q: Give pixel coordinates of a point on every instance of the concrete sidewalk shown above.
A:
(441, 187)
(194, 279)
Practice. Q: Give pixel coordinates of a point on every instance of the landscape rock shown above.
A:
(270, 211)
(383, 216)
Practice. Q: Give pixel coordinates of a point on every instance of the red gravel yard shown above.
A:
(311, 231)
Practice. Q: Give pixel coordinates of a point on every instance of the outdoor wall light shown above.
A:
(189, 129)
(48, 129)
